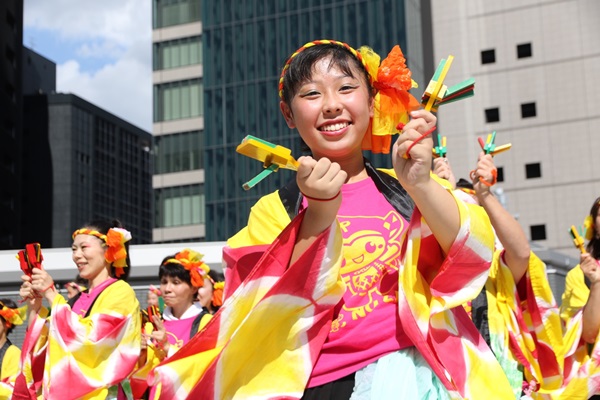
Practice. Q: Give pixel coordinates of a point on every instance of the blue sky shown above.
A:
(62, 49)
(102, 50)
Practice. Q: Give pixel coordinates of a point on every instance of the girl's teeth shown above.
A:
(334, 127)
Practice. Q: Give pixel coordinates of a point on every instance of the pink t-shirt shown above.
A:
(178, 331)
(86, 299)
(366, 324)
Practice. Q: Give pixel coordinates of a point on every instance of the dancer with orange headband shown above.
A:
(10, 316)
(516, 311)
(580, 311)
(365, 307)
(181, 275)
(90, 344)
(211, 294)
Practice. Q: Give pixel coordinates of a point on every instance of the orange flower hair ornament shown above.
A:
(192, 261)
(217, 297)
(115, 239)
(393, 102)
(12, 316)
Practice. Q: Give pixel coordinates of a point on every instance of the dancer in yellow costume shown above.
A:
(373, 312)
(516, 313)
(88, 346)
(580, 311)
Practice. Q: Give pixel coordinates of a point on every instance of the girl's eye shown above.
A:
(310, 93)
(346, 88)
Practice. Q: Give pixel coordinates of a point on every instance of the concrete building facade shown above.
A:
(536, 66)
(178, 115)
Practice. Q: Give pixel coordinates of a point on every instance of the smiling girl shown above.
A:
(91, 343)
(345, 283)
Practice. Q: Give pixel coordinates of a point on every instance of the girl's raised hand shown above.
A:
(589, 266)
(159, 335)
(42, 283)
(412, 152)
(321, 183)
(485, 170)
(319, 180)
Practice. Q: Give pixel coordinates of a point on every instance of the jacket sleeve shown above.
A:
(525, 332)
(431, 310)
(96, 351)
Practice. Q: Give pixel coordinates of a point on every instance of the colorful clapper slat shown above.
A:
(440, 149)
(489, 146)
(437, 93)
(30, 258)
(577, 239)
(272, 156)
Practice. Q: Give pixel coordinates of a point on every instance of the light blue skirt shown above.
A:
(400, 375)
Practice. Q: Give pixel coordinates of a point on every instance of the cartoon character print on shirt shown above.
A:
(174, 340)
(369, 269)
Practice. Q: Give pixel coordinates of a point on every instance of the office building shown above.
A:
(537, 69)
(178, 127)
(83, 163)
(11, 38)
(245, 48)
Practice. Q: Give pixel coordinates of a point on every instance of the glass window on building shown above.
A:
(492, 115)
(488, 56)
(175, 12)
(537, 232)
(179, 206)
(178, 100)
(528, 110)
(533, 170)
(178, 152)
(177, 53)
(524, 50)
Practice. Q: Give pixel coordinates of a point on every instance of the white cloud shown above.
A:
(121, 21)
(117, 34)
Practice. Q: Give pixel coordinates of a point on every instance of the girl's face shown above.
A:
(205, 294)
(152, 299)
(331, 111)
(177, 293)
(88, 254)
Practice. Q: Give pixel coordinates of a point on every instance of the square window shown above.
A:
(538, 232)
(524, 50)
(528, 110)
(500, 176)
(533, 170)
(488, 56)
(492, 115)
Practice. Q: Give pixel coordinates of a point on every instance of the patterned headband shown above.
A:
(115, 240)
(192, 262)
(392, 103)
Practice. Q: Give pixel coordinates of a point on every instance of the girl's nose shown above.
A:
(332, 105)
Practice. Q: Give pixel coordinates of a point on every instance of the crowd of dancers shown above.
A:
(350, 282)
